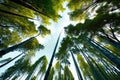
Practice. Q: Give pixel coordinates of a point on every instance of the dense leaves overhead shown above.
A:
(15, 15)
(91, 46)
(43, 30)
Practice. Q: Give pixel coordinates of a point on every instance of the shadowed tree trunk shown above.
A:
(9, 49)
(34, 68)
(14, 14)
(29, 6)
(102, 73)
(11, 60)
(13, 69)
(59, 73)
(91, 5)
(99, 68)
(92, 68)
(51, 60)
(5, 60)
(107, 54)
(110, 41)
(109, 70)
(76, 67)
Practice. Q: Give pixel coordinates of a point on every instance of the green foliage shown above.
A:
(22, 65)
(31, 47)
(15, 15)
(43, 30)
(113, 49)
(7, 38)
(77, 4)
(33, 78)
(51, 74)
(84, 67)
(78, 8)
(44, 65)
(100, 18)
(57, 66)
(68, 74)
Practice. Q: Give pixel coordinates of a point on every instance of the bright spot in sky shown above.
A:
(41, 40)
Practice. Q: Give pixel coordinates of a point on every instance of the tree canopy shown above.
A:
(89, 50)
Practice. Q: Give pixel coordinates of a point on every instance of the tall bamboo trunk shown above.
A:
(109, 70)
(110, 41)
(11, 60)
(107, 54)
(76, 67)
(29, 6)
(51, 60)
(12, 48)
(14, 14)
(35, 66)
(102, 73)
(92, 68)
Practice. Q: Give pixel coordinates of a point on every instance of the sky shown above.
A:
(49, 41)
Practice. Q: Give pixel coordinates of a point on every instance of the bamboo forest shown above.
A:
(59, 39)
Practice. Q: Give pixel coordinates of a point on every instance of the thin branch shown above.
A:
(112, 31)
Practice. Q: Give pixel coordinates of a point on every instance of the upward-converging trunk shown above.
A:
(92, 68)
(14, 14)
(11, 60)
(77, 68)
(29, 6)
(101, 71)
(109, 69)
(111, 57)
(89, 6)
(9, 49)
(35, 66)
(51, 60)
(110, 41)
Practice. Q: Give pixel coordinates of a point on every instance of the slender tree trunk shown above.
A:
(99, 70)
(112, 31)
(106, 68)
(110, 41)
(35, 66)
(29, 6)
(22, 75)
(111, 57)
(14, 14)
(51, 60)
(59, 73)
(39, 75)
(76, 67)
(5, 60)
(8, 77)
(102, 73)
(92, 68)
(11, 60)
(5, 76)
(89, 6)
(109, 70)
(12, 48)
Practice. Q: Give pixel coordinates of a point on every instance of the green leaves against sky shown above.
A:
(91, 47)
